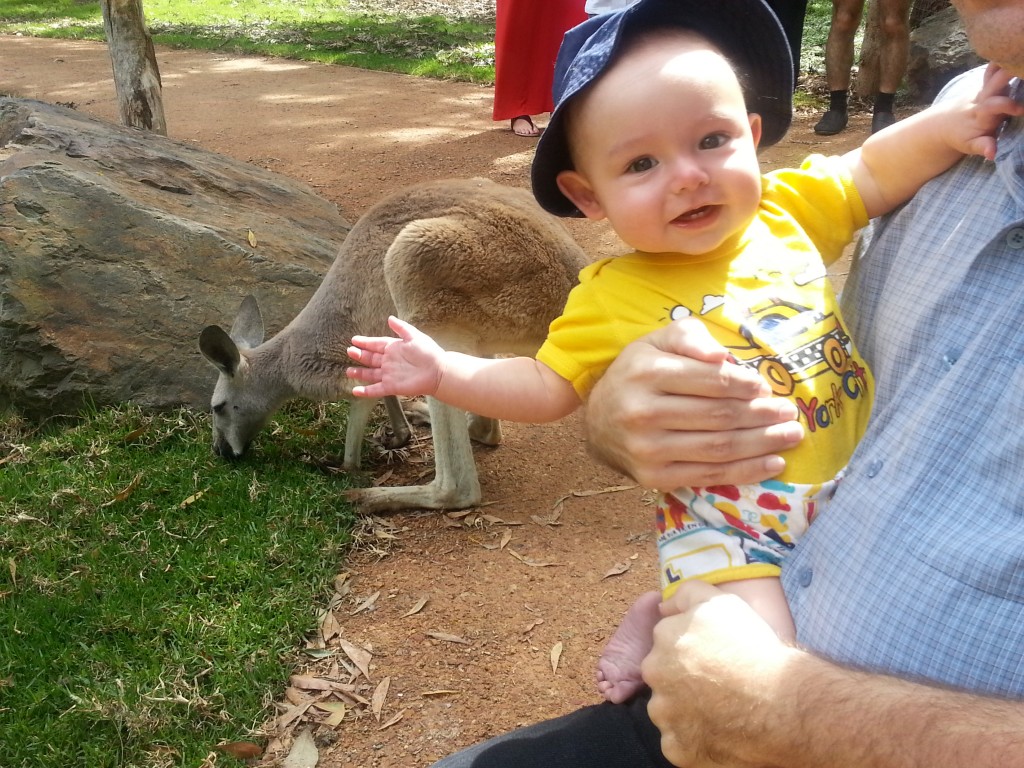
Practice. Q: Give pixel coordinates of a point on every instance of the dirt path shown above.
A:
(356, 136)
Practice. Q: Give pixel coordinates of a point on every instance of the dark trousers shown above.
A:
(600, 736)
(791, 15)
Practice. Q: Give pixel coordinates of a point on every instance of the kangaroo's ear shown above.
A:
(247, 330)
(219, 349)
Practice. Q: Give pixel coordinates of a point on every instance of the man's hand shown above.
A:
(672, 411)
(715, 672)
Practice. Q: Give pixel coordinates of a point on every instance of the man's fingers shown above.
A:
(689, 338)
(709, 414)
(733, 457)
(686, 376)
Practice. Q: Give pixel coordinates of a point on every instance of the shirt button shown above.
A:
(950, 359)
(1015, 238)
(874, 467)
(806, 576)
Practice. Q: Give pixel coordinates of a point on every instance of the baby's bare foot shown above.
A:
(618, 669)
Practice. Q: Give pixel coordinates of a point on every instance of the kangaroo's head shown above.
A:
(239, 406)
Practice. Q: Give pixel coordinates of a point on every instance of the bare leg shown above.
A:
(769, 600)
(618, 669)
(895, 48)
(839, 46)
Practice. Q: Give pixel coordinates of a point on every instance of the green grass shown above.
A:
(152, 596)
(314, 30)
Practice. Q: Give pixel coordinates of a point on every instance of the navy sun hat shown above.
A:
(746, 31)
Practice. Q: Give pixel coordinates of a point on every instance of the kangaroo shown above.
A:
(476, 264)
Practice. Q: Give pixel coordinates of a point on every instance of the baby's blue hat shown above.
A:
(746, 31)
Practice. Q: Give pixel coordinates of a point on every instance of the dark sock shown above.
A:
(837, 101)
(884, 101)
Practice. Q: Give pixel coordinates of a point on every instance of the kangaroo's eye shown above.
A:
(219, 408)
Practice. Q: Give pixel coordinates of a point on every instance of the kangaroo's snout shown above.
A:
(223, 448)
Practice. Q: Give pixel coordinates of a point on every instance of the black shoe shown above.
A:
(831, 122)
(882, 120)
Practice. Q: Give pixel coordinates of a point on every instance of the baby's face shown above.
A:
(665, 150)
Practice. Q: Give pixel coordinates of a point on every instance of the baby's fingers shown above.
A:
(371, 343)
(985, 146)
(995, 82)
(371, 375)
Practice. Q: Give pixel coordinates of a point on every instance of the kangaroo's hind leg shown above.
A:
(455, 484)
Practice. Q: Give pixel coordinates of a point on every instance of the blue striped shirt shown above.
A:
(917, 566)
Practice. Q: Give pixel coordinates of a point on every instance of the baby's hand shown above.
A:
(977, 129)
(409, 365)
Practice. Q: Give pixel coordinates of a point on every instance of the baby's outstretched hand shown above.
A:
(408, 365)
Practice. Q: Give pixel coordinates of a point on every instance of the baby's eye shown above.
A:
(642, 164)
(713, 141)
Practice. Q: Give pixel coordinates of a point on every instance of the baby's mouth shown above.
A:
(695, 215)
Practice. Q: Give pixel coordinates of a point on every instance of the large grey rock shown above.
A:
(117, 246)
(939, 51)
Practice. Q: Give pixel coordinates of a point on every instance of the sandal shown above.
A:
(531, 131)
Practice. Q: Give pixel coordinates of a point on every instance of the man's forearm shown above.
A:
(831, 717)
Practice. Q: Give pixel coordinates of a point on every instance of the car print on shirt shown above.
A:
(804, 343)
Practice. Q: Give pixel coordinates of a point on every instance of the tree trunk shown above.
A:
(136, 76)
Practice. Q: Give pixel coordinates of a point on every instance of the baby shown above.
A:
(660, 109)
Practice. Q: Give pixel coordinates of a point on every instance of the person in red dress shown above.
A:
(526, 40)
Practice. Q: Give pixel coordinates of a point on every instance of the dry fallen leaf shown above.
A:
(616, 570)
(303, 753)
(311, 683)
(367, 603)
(448, 638)
(193, 498)
(243, 750)
(392, 721)
(380, 693)
(596, 492)
(416, 608)
(338, 710)
(440, 692)
(530, 561)
(383, 478)
(360, 656)
(135, 433)
(251, 237)
(532, 625)
(506, 537)
(341, 584)
(329, 626)
(292, 714)
(556, 654)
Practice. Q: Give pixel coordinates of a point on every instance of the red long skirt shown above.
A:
(525, 47)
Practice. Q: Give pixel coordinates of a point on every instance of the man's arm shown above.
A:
(893, 164)
(671, 411)
(726, 691)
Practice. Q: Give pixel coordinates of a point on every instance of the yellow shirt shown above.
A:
(765, 297)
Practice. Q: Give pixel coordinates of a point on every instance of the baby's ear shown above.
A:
(578, 190)
(755, 127)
